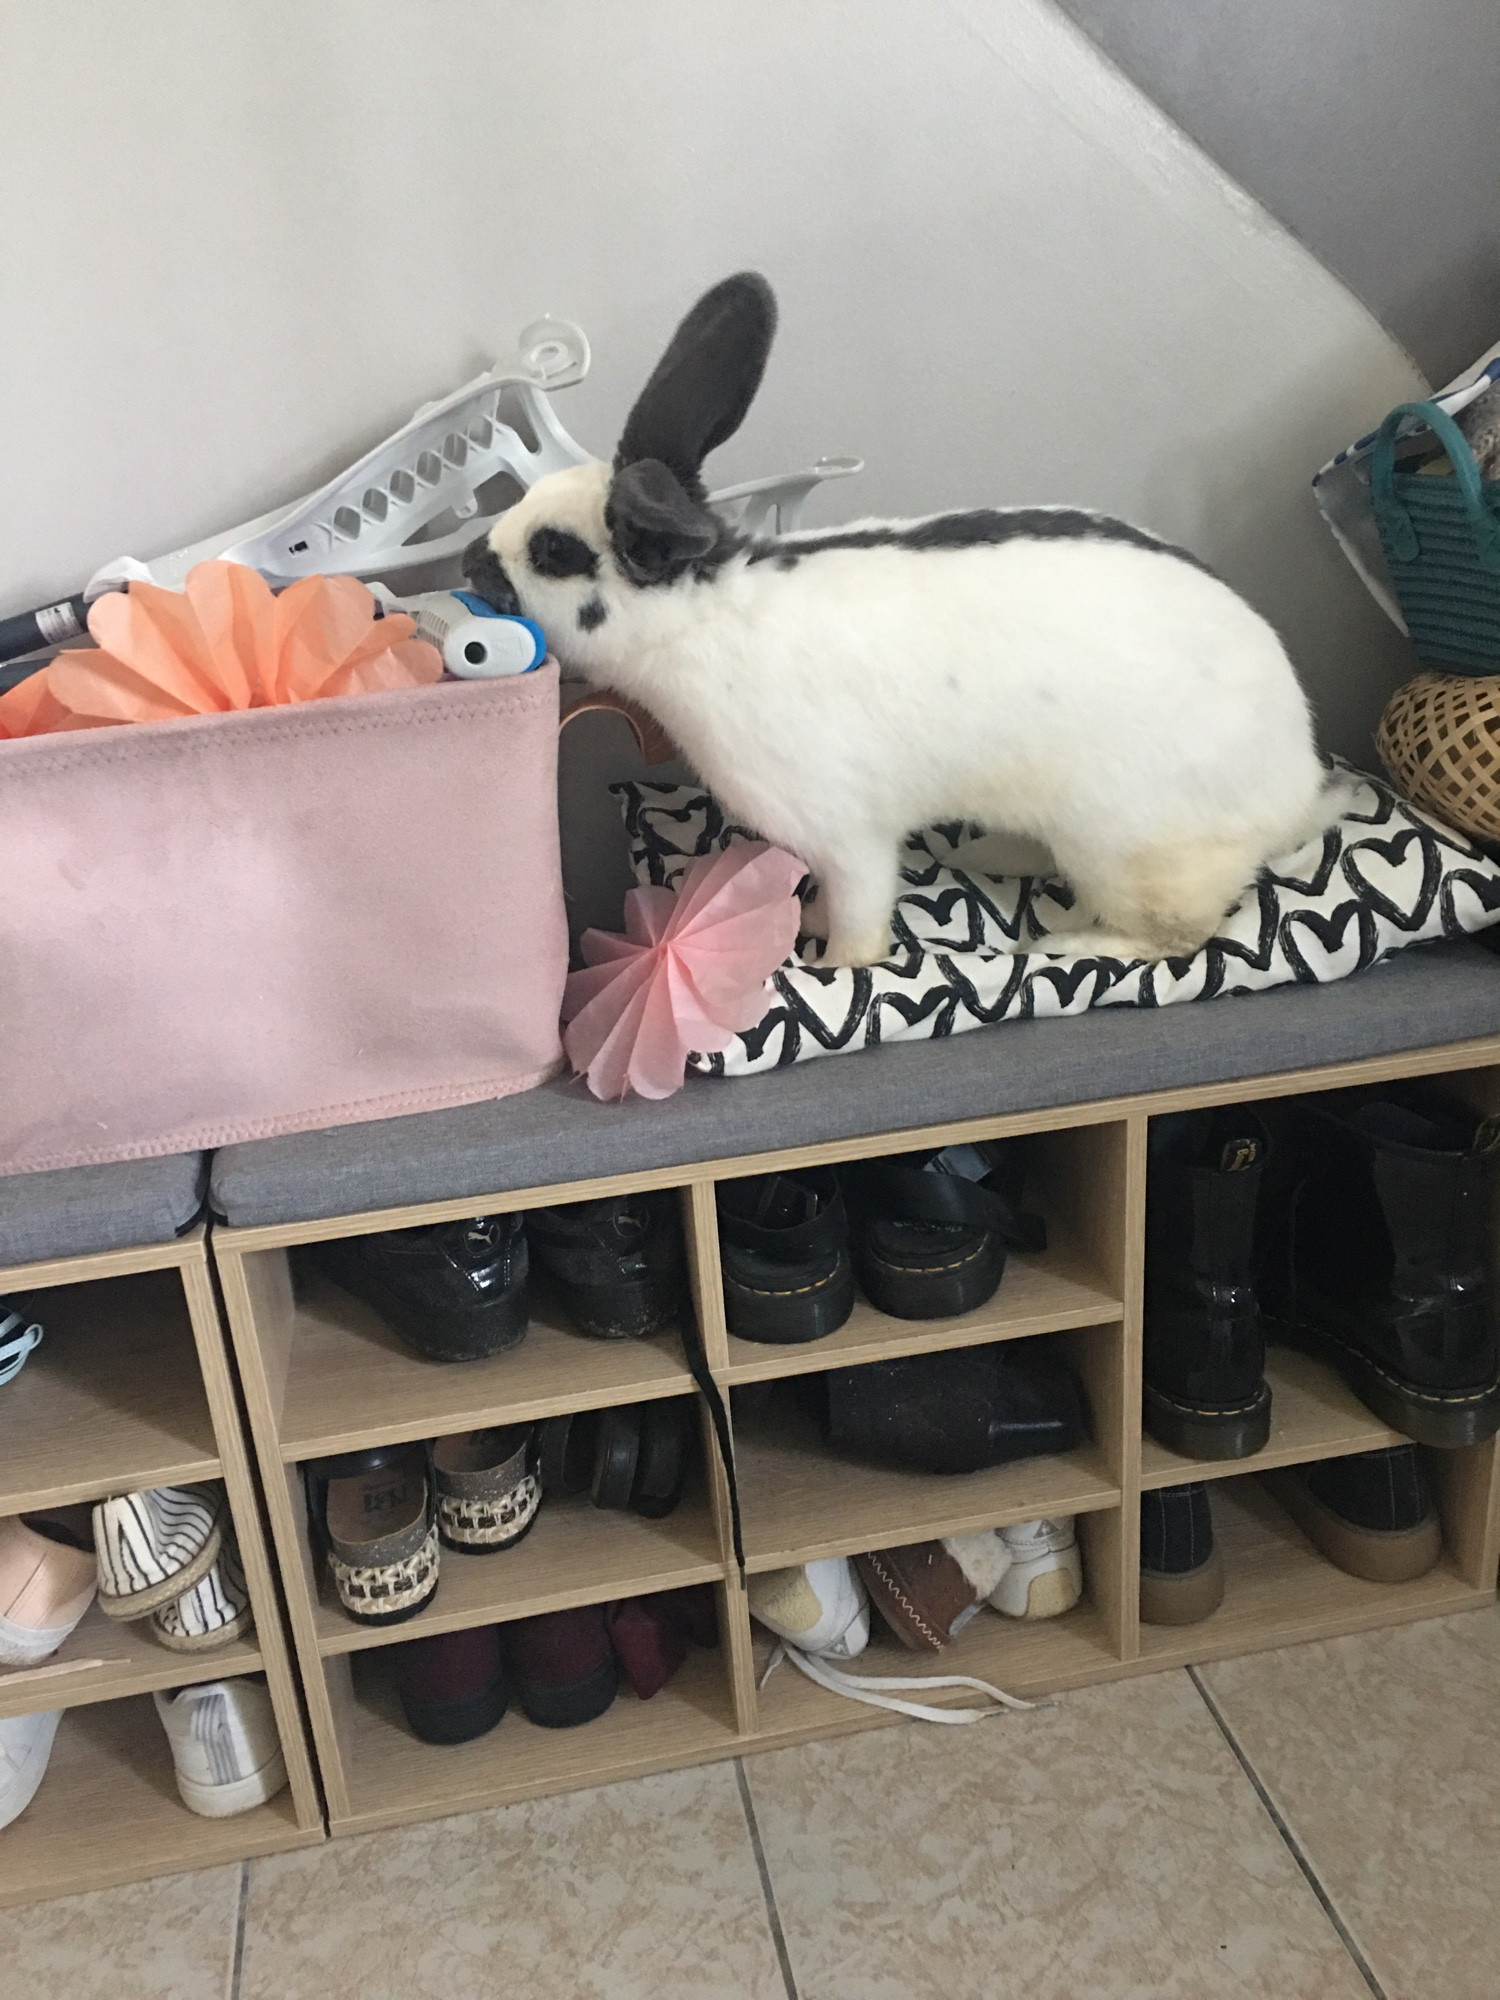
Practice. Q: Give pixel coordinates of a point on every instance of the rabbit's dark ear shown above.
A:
(702, 386)
(657, 528)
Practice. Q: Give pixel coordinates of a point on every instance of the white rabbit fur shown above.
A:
(1071, 681)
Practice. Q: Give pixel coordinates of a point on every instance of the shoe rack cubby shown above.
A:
(322, 1374)
(131, 1388)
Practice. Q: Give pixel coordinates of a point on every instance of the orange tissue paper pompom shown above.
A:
(223, 642)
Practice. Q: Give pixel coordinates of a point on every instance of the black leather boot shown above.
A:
(1376, 1256)
(1206, 1393)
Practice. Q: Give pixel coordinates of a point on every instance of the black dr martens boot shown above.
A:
(1376, 1256)
(1206, 1393)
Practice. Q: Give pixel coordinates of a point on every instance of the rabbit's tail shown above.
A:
(1337, 795)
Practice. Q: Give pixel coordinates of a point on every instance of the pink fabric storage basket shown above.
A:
(242, 925)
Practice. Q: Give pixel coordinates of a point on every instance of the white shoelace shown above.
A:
(883, 1690)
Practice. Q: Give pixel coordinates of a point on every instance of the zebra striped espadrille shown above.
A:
(154, 1546)
(215, 1611)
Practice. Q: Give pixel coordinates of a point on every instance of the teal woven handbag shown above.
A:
(1441, 536)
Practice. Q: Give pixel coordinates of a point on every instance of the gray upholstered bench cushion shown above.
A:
(78, 1210)
(1430, 995)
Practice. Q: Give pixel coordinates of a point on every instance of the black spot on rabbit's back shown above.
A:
(980, 527)
(591, 614)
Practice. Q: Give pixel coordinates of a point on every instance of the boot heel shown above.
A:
(1238, 1433)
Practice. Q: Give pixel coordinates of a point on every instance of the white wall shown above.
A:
(242, 241)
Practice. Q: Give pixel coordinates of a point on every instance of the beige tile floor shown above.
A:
(1320, 1822)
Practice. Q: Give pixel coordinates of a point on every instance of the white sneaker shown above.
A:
(224, 1745)
(1045, 1576)
(25, 1746)
(821, 1607)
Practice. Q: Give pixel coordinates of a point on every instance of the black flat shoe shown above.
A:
(784, 1249)
(1182, 1571)
(1372, 1513)
(932, 1229)
(618, 1262)
(1375, 1257)
(1205, 1385)
(453, 1292)
(958, 1411)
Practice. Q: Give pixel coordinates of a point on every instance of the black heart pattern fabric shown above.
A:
(970, 946)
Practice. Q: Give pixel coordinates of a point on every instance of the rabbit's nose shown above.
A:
(487, 576)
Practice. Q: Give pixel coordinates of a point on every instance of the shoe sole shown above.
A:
(1184, 1597)
(551, 1706)
(621, 1312)
(141, 1603)
(1397, 1555)
(26, 1646)
(208, 1642)
(939, 1291)
(457, 1721)
(485, 1548)
(1048, 1595)
(1195, 1430)
(388, 1617)
(242, 1795)
(792, 1317)
(1449, 1420)
(493, 1329)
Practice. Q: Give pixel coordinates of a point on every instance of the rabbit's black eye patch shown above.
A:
(554, 552)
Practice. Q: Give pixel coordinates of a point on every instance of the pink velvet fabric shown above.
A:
(237, 926)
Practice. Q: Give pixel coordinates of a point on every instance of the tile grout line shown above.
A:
(773, 1915)
(1289, 1839)
(237, 1963)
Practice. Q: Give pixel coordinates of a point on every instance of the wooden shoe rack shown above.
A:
(131, 1387)
(322, 1374)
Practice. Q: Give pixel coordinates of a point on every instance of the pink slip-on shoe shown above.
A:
(47, 1582)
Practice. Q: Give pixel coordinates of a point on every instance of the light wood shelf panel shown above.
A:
(393, 1777)
(133, 1663)
(108, 1811)
(1280, 1591)
(1042, 1294)
(352, 1383)
(1313, 1415)
(111, 1401)
(798, 1501)
(575, 1553)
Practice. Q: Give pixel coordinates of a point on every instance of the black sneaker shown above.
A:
(1375, 1257)
(1205, 1386)
(932, 1229)
(1371, 1513)
(616, 1262)
(453, 1292)
(784, 1249)
(1182, 1571)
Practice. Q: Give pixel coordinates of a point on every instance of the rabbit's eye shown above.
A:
(554, 552)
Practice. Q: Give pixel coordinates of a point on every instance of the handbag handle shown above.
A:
(1395, 523)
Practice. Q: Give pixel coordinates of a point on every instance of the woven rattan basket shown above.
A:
(1440, 740)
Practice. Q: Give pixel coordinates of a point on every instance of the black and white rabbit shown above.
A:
(1043, 671)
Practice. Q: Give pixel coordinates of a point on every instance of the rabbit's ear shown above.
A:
(701, 388)
(657, 528)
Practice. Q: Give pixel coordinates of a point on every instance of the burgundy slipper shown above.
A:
(452, 1685)
(562, 1666)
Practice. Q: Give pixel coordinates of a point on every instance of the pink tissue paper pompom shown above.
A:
(690, 971)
